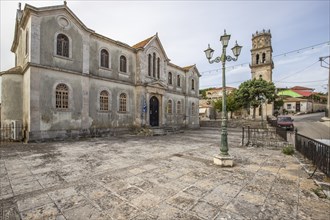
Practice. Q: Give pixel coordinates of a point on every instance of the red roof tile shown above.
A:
(303, 92)
(301, 88)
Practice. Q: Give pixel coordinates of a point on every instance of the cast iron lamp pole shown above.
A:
(223, 58)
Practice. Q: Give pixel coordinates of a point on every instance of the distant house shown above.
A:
(206, 108)
(300, 99)
(216, 93)
(295, 105)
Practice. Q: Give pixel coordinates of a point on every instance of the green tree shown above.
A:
(218, 105)
(252, 93)
(232, 104)
(278, 103)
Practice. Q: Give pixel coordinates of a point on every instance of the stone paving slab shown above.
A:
(162, 177)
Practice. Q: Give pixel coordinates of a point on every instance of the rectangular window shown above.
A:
(288, 106)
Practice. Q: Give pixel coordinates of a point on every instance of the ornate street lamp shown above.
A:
(223, 159)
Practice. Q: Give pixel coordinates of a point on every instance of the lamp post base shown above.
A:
(224, 161)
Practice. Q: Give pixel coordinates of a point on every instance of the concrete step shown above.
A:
(165, 131)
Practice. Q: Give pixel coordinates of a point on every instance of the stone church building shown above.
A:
(69, 80)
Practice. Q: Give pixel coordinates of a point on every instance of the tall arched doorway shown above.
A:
(154, 111)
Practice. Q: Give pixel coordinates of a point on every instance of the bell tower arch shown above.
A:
(261, 56)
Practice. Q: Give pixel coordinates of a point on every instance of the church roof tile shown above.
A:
(142, 43)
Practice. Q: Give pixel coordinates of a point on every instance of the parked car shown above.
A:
(286, 122)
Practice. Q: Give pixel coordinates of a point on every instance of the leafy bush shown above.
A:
(288, 150)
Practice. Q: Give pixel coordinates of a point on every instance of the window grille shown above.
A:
(62, 96)
(122, 102)
(178, 107)
(104, 101)
(62, 45)
(169, 107)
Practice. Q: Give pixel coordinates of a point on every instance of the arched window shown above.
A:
(104, 58)
(122, 102)
(149, 65)
(154, 65)
(62, 45)
(257, 59)
(27, 42)
(169, 107)
(158, 67)
(62, 96)
(123, 64)
(192, 84)
(178, 107)
(178, 81)
(193, 108)
(104, 101)
(263, 58)
(170, 78)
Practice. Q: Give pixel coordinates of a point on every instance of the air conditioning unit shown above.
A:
(16, 130)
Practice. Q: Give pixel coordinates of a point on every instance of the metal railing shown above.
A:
(262, 136)
(317, 152)
(11, 132)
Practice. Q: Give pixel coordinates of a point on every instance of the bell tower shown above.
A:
(261, 56)
(262, 66)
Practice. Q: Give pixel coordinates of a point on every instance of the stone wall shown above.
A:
(233, 123)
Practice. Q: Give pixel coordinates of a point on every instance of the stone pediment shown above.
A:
(156, 87)
(157, 84)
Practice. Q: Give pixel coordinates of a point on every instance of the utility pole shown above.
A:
(326, 64)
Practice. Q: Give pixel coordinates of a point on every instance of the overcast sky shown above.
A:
(186, 27)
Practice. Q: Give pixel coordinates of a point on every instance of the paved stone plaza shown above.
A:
(161, 177)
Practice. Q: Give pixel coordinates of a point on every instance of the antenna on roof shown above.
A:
(19, 6)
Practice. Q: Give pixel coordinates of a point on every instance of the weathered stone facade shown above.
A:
(126, 74)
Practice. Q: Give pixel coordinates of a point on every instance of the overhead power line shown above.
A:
(297, 72)
(307, 81)
(275, 56)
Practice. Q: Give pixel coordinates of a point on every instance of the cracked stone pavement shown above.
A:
(160, 177)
